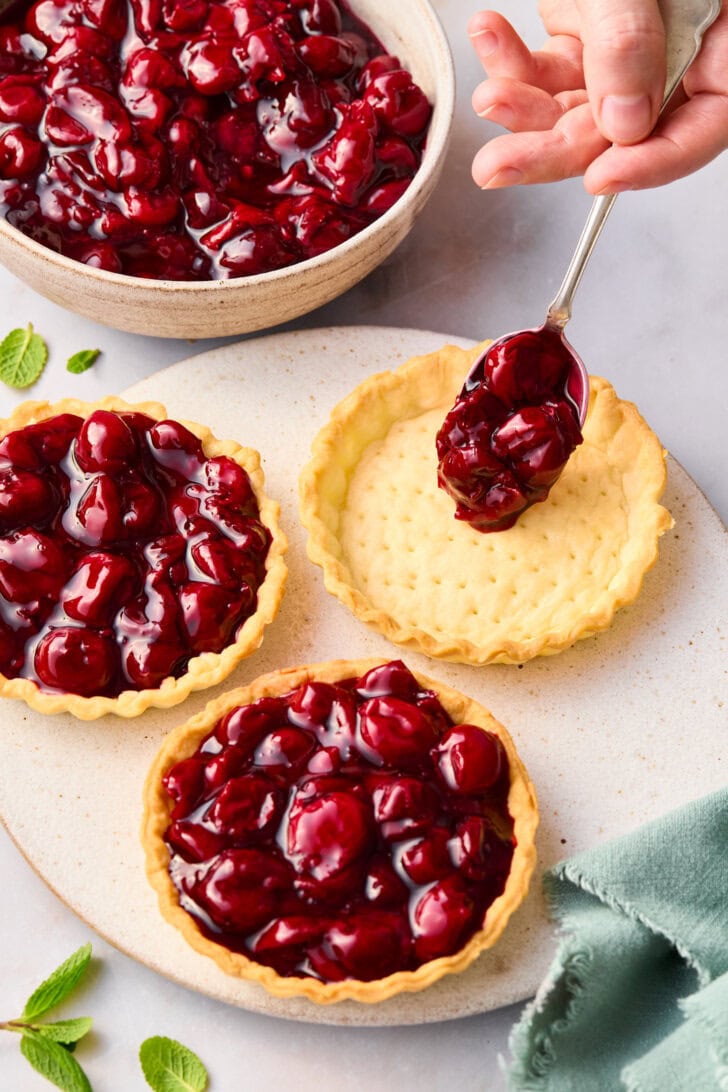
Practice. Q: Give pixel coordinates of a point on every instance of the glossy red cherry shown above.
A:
(383, 887)
(98, 588)
(469, 759)
(25, 498)
(208, 615)
(247, 725)
(322, 16)
(537, 441)
(241, 889)
(223, 766)
(398, 102)
(441, 917)
(367, 946)
(31, 565)
(426, 859)
(184, 782)
(194, 842)
(149, 659)
(326, 55)
(327, 834)
(20, 154)
(245, 807)
(479, 852)
(76, 661)
(285, 751)
(392, 678)
(98, 517)
(347, 161)
(176, 448)
(328, 711)
(395, 732)
(294, 931)
(403, 806)
(21, 100)
(105, 443)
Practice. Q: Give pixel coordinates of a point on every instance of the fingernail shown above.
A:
(503, 114)
(487, 42)
(626, 118)
(507, 176)
(614, 187)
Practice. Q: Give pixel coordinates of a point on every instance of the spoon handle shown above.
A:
(685, 24)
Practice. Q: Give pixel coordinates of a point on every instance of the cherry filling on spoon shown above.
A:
(511, 431)
(125, 551)
(200, 139)
(340, 830)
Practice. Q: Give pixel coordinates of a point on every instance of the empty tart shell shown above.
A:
(186, 744)
(391, 550)
(204, 668)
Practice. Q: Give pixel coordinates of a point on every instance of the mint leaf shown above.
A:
(82, 361)
(54, 1063)
(171, 1067)
(58, 985)
(23, 356)
(65, 1031)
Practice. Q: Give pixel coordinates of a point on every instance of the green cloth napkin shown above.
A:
(637, 996)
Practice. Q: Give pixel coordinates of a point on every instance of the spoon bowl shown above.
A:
(576, 377)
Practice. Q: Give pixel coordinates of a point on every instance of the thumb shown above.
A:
(624, 65)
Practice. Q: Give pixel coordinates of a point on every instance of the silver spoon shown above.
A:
(685, 24)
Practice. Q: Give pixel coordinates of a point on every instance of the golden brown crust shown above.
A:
(392, 551)
(184, 740)
(209, 668)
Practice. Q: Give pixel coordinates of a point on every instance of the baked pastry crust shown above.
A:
(184, 741)
(392, 551)
(209, 668)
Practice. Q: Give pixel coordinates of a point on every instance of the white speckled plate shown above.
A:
(619, 729)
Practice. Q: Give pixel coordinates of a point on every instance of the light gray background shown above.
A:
(651, 316)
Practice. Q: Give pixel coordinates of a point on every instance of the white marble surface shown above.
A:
(651, 315)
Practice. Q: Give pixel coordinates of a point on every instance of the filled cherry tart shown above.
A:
(341, 830)
(200, 139)
(124, 552)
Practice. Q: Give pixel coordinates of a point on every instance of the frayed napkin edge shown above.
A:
(570, 872)
(533, 1053)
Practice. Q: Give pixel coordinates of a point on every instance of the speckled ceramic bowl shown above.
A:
(409, 29)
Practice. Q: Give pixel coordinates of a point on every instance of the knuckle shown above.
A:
(628, 34)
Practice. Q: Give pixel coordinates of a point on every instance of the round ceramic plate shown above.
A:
(617, 730)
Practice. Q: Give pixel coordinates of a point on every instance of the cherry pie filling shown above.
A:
(511, 431)
(200, 139)
(341, 831)
(124, 552)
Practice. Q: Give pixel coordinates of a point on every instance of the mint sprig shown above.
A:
(58, 985)
(82, 361)
(48, 1045)
(23, 356)
(53, 1062)
(168, 1066)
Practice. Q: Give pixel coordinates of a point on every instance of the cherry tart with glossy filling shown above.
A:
(345, 830)
(139, 557)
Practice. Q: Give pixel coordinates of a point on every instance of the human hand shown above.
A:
(587, 102)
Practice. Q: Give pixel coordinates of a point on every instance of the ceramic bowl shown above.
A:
(411, 30)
